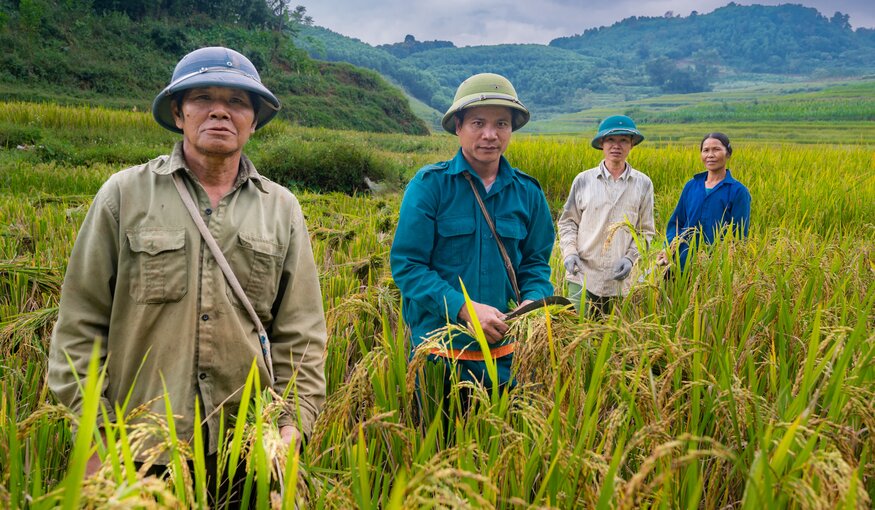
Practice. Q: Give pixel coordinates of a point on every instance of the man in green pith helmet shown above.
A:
(602, 198)
(142, 281)
(444, 237)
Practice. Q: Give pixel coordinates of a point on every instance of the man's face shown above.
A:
(484, 134)
(616, 148)
(215, 121)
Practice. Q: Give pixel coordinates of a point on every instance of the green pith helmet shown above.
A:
(617, 125)
(486, 89)
(215, 67)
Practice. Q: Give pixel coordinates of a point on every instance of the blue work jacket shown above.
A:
(442, 237)
(697, 210)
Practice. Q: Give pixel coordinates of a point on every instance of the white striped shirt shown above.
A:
(595, 203)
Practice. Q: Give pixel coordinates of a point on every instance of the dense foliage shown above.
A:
(324, 44)
(779, 39)
(636, 57)
(97, 53)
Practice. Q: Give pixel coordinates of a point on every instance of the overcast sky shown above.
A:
(475, 22)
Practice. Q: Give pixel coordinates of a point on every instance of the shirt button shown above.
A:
(208, 211)
(203, 376)
(205, 317)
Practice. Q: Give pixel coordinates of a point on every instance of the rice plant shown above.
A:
(745, 382)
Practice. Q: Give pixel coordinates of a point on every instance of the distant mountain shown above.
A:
(783, 39)
(636, 57)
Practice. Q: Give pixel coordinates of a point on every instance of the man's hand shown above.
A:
(622, 268)
(93, 465)
(491, 320)
(662, 259)
(290, 435)
(524, 303)
(573, 264)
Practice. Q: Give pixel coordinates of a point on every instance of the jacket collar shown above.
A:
(176, 162)
(506, 173)
(726, 180)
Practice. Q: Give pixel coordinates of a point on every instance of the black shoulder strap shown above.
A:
(507, 264)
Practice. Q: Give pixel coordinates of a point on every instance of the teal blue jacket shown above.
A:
(442, 236)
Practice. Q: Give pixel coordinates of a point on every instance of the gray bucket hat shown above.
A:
(214, 67)
(486, 89)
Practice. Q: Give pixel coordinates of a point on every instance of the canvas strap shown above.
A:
(507, 264)
(226, 268)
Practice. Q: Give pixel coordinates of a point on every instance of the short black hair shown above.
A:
(720, 137)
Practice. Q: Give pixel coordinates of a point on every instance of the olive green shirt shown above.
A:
(141, 279)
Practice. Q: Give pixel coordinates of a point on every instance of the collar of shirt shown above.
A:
(606, 174)
(728, 180)
(506, 173)
(177, 162)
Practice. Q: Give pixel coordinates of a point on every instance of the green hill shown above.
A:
(68, 52)
(327, 45)
(638, 57)
(782, 39)
(827, 112)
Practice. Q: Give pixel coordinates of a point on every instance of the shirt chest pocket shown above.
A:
(512, 232)
(257, 264)
(455, 243)
(159, 272)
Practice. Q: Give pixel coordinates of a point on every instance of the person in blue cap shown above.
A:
(711, 202)
(598, 252)
(142, 282)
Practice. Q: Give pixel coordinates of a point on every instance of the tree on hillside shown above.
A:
(411, 46)
(843, 21)
(672, 78)
(288, 19)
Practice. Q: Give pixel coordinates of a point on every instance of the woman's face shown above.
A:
(714, 155)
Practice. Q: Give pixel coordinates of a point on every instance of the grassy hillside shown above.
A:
(62, 52)
(324, 44)
(810, 112)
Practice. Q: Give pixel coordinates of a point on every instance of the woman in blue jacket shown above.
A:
(710, 201)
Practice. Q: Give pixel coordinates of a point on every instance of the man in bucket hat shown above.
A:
(444, 239)
(142, 282)
(598, 253)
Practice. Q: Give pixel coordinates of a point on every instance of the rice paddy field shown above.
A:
(748, 382)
